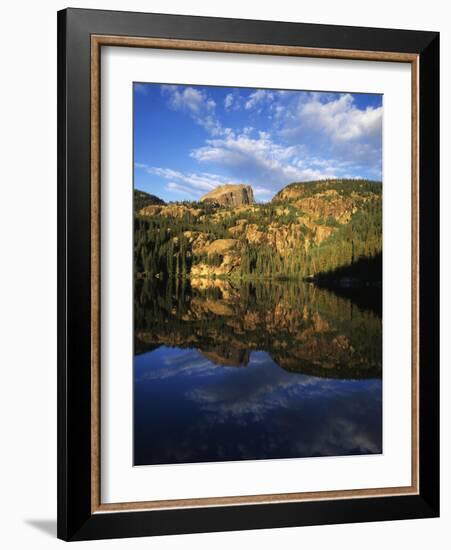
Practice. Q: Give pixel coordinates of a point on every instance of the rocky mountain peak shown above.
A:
(230, 195)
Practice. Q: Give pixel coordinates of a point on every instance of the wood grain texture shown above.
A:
(255, 499)
(123, 41)
(95, 276)
(260, 49)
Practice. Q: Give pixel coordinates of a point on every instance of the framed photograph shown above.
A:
(248, 274)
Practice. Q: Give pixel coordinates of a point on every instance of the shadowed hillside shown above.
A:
(141, 199)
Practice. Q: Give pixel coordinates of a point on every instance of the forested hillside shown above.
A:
(308, 229)
(141, 199)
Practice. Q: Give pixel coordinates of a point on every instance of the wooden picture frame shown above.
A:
(81, 35)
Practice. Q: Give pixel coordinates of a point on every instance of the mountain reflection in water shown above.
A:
(253, 371)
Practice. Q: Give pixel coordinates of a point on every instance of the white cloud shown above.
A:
(278, 110)
(341, 120)
(228, 101)
(185, 98)
(196, 103)
(257, 98)
(193, 184)
(186, 363)
(166, 173)
(334, 126)
(140, 88)
(260, 161)
(312, 136)
(184, 190)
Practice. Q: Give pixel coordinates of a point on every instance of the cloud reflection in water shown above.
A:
(190, 409)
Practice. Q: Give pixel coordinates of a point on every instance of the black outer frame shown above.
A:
(75, 520)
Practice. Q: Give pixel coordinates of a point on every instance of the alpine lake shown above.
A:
(250, 370)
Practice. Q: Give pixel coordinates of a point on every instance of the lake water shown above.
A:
(234, 371)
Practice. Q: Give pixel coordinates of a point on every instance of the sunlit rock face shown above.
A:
(334, 200)
(168, 211)
(230, 195)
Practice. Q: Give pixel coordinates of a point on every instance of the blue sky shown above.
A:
(190, 139)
